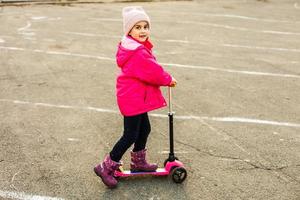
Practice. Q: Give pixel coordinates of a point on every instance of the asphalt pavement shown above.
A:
(237, 110)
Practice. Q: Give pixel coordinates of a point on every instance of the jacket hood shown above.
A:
(127, 47)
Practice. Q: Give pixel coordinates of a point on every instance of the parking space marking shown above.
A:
(211, 25)
(91, 34)
(251, 121)
(45, 18)
(192, 42)
(25, 27)
(239, 28)
(26, 32)
(12, 48)
(188, 117)
(57, 53)
(234, 16)
(185, 42)
(255, 73)
(120, 37)
(24, 196)
(73, 139)
(261, 48)
(177, 41)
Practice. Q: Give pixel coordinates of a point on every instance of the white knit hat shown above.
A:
(131, 16)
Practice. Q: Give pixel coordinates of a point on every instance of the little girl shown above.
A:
(138, 92)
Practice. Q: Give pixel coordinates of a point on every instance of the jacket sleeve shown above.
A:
(148, 70)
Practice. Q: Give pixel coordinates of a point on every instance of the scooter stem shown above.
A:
(170, 114)
(170, 99)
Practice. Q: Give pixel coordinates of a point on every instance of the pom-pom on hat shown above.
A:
(131, 16)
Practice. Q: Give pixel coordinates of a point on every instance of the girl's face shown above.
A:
(140, 31)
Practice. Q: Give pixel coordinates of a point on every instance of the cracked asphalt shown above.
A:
(237, 101)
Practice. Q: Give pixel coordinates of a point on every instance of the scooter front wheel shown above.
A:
(179, 174)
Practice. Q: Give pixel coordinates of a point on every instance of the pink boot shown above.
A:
(106, 170)
(139, 163)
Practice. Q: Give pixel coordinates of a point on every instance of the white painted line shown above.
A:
(194, 42)
(58, 53)
(260, 48)
(51, 105)
(222, 15)
(101, 110)
(28, 33)
(73, 139)
(238, 28)
(45, 18)
(13, 48)
(7, 36)
(215, 25)
(245, 17)
(255, 73)
(107, 19)
(171, 53)
(25, 27)
(251, 121)
(23, 196)
(158, 115)
(1, 40)
(226, 16)
(211, 25)
(118, 37)
(74, 54)
(12, 181)
(189, 117)
(39, 18)
(241, 148)
(59, 106)
(177, 41)
(232, 71)
(280, 32)
(25, 32)
(165, 64)
(231, 160)
(91, 34)
(280, 63)
(233, 119)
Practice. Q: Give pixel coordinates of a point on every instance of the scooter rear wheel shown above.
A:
(179, 174)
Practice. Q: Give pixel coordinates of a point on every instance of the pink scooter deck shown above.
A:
(159, 172)
(126, 173)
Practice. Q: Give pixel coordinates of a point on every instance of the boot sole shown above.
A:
(109, 186)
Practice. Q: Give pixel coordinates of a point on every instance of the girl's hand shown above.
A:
(173, 82)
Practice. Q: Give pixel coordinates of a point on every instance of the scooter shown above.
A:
(172, 166)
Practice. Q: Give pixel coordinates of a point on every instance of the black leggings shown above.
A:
(136, 131)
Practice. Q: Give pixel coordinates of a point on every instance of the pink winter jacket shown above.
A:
(139, 79)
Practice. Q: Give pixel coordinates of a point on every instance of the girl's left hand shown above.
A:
(173, 82)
